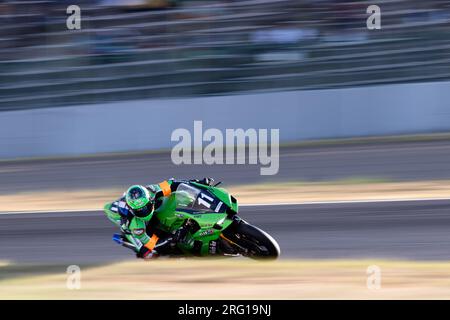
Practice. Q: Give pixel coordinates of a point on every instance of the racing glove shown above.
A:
(162, 247)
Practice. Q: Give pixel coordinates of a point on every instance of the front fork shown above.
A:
(229, 243)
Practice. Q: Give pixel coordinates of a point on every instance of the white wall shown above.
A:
(300, 115)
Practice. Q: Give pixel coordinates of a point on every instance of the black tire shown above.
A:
(258, 244)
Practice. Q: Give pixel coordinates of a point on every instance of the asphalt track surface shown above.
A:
(418, 230)
(407, 161)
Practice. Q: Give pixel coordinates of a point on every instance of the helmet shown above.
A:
(140, 201)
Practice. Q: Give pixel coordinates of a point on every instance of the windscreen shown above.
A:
(192, 198)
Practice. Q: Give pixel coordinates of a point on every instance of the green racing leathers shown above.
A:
(148, 241)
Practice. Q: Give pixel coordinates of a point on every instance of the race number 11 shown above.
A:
(203, 202)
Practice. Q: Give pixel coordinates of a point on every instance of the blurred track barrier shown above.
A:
(305, 115)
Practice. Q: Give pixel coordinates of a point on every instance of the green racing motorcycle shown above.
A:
(215, 229)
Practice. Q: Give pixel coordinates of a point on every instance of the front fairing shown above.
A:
(222, 194)
(171, 216)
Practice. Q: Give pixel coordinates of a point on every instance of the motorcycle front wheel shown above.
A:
(252, 242)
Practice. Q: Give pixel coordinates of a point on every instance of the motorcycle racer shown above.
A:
(136, 215)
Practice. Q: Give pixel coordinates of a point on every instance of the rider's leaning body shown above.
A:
(136, 213)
